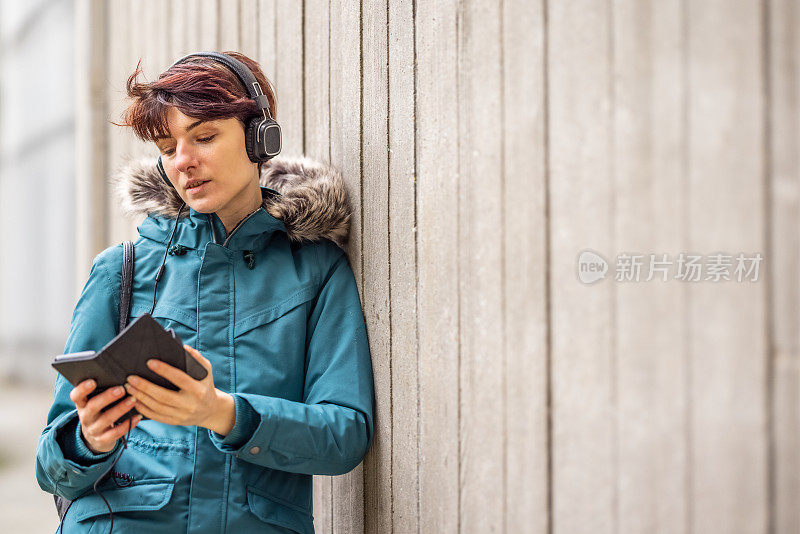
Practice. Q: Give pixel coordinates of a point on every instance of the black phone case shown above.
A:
(127, 354)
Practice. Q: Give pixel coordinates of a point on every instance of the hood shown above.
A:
(312, 203)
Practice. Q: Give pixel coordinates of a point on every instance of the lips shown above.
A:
(195, 183)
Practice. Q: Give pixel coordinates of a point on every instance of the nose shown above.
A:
(184, 157)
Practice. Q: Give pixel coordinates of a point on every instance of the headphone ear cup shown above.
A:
(163, 173)
(250, 143)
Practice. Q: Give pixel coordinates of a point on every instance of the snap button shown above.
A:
(255, 450)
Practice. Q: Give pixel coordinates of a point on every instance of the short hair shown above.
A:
(199, 87)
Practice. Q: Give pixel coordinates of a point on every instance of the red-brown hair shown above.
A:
(200, 88)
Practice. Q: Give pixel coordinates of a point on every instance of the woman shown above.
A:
(257, 286)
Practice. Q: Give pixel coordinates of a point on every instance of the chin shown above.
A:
(203, 205)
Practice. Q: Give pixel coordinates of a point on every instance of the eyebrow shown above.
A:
(195, 123)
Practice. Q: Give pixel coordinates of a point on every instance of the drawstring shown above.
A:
(160, 272)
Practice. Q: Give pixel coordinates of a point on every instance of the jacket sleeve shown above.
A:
(331, 430)
(64, 465)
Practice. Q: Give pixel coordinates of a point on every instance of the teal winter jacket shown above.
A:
(275, 307)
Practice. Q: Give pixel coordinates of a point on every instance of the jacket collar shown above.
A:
(196, 229)
(302, 197)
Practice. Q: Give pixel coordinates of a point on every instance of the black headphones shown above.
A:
(262, 135)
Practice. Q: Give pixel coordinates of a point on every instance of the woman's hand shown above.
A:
(197, 402)
(96, 426)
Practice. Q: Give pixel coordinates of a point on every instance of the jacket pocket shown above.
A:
(142, 495)
(275, 310)
(276, 511)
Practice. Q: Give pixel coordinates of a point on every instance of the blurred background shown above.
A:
(38, 272)
(497, 154)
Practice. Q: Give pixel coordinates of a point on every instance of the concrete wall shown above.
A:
(485, 145)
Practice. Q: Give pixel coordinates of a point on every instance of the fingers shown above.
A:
(137, 386)
(149, 402)
(94, 406)
(115, 432)
(173, 374)
(147, 412)
(79, 392)
(112, 414)
(102, 437)
(163, 415)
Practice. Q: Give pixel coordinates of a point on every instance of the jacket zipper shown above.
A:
(211, 226)
(235, 228)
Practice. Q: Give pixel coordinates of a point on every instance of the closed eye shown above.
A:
(170, 151)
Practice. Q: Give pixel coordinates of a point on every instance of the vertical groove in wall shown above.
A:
(330, 107)
(303, 145)
(278, 56)
(238, 22)
(416, 258)
(686, 217)
(257, 44)
(218, 41)
(504, 330)
(460, 184)
(766, 69)
(239, 36)
(612, 352)
(547, 264)
(169, 55)
(303, 74)
(389, 248)
(194, 45)
(361, 180)
(106, 206)
(361, 132)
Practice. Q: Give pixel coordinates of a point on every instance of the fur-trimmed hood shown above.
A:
(312, 203)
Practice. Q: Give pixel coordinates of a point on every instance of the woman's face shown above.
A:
(212, 152)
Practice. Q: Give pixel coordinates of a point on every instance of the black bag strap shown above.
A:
(62, 505)
(127, 282)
